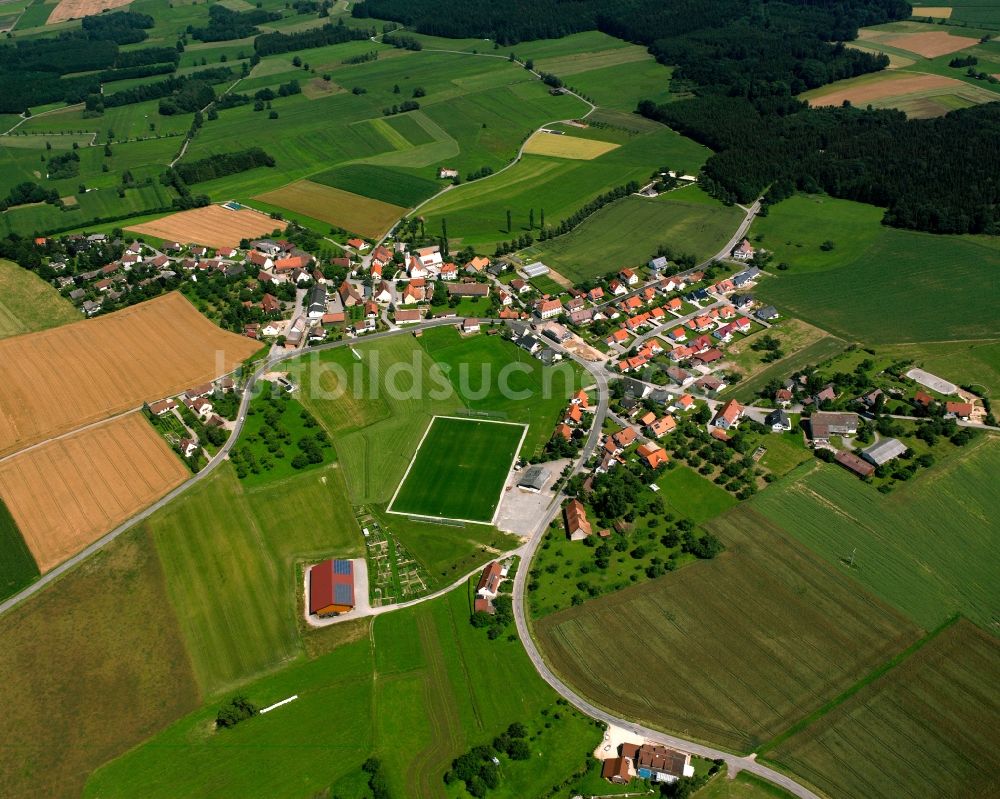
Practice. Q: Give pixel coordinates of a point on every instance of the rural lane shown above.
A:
(734, 763)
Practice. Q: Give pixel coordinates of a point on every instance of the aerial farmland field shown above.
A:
(421, 689)
(925, 548)
(212, 226)
(80, 373)
(109, 620)
(28, 304)
(379, 183)
(566, 146)
(940, 705)
(459, 469)
(628, 232)
(662, 652)
(17, 565)
(893, 290)
(352, 212)
(65, 494)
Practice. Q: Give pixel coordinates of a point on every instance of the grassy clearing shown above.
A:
(925, 548)
(629, 231)
(420, 690)
(890, 289)
(938, 706)
(17, 567)
(690, 495)
(28, 303)
(743, 786)
(336, 207)
(90, 668)
(379, 183)
(803, 631)
(459, 470)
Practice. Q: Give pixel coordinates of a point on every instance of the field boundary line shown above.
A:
(865, 681)
(69, 433)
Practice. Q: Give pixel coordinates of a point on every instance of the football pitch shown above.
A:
(459, 469)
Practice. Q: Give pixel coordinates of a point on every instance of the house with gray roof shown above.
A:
(884, 451)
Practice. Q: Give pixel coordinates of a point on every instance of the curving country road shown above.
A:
(734, 763)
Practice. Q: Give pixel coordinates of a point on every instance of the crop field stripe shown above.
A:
(867, 680)
(517, 450)
(17, 564)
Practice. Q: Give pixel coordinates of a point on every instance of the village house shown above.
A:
(577, 525)
(744, 251)
(959, 410)
(295, 334)
(729, 415)
(358, 244)
(407, 316)
(653, 454)
(468, 289)
(477, 265)
(778, 421)
(162, 407)
(628, 276)
(317, 303)
(547, 309)
(349, 295)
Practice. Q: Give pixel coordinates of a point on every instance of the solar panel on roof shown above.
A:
(342, 567)
(343, 594)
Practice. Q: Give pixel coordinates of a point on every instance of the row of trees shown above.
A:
(217, 166)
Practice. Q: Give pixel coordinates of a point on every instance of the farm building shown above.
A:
(536, 269)
(615, 769)
(853, 463)
(884, 451)
(533, 479)
(331, 587)
(489, 581)
(577, 524)
(468, 289)
(824, 424)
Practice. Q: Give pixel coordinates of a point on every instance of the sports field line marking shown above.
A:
(517, 452)
(279, 704)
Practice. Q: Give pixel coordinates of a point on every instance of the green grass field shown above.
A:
(961, 362)
(730, 650)
(879, 285)
(90, 667)
(926, 548)
(939, 706)
(379, 183)
(628, 233)
(490, 374)
(459, 469)
(419, 691)
(743, 786)
(17, 566)
(810, 355)
(229, 559)
(476, 212)
(691, 496)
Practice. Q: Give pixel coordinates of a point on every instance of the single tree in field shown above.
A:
(508, 221)
(541, 222)
(531, 219)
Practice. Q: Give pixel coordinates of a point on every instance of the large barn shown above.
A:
(331, 587)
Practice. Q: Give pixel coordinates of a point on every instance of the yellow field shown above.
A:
(566, 146)
(58, 380)
(78, 9)
(67, 493)
(357, 214)
(938, 12)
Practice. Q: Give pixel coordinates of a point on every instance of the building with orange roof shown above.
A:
(577, 524)
(653, 454)
(729, 415)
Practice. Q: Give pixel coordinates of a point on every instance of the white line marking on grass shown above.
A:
(279, 704)
(503, 487)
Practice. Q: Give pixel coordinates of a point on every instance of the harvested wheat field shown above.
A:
(211, 226)
(931, 44)
(67, 493)
(860, 93)
(938, 12)
(57, 380)
(78, 9)
(361, 215)
(566, 146)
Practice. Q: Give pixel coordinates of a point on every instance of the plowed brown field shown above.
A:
(931, 44)
(211, 226)
(58, 380)
(66, 494)
(891, 85)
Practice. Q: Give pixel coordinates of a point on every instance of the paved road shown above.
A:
(735, 763)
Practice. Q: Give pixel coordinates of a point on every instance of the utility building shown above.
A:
(331, 588)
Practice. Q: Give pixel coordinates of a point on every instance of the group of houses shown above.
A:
(198, 400)
(646, 761)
